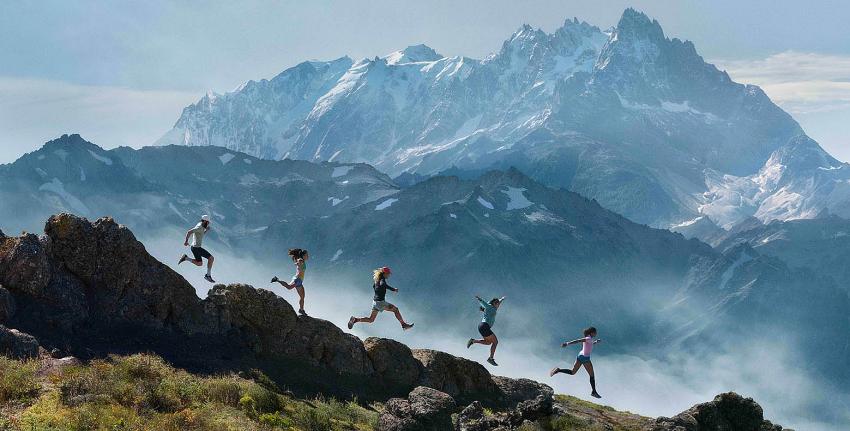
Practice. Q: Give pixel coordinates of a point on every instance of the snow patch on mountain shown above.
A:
(226, 158)
(102, 159)
(336, 201)
(517, 199)
(341, 171)
(57, 187)
(484, 203)
(385, 204)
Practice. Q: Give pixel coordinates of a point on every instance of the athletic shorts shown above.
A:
(200, 252)
(582, 359)
(484, 329)
(381, 305)
(297, 282)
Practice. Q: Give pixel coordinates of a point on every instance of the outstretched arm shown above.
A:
(482, 302)
(569, 343)
(390, 288)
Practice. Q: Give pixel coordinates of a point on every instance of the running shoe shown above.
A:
(595, 394)
(209, 278)
(554, 371)
(470, 343)
(183, 259)
(492, 362)
(275, 279)
(406, 327)
(351, 323)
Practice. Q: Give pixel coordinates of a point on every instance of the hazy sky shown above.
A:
(120, 72)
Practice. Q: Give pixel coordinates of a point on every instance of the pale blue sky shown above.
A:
(120, 72)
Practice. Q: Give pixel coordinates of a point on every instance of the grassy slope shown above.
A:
(142, 392)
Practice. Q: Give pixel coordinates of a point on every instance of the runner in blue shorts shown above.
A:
(485, 328)
(583, 358)
(299, 258)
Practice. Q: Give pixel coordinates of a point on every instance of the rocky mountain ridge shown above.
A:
(90, 289)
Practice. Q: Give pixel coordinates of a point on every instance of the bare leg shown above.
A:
(284, 284)
(197, 262)
(493, 343)
(210, 261)
(300, 290)
(398, 317)
(589, 367)
(369, 319)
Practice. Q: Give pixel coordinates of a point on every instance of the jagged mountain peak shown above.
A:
(636, 23)
(629, 117)
(413, 54)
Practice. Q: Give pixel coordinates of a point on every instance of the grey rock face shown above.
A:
(728, 411)
(425, 409)
(393, 361)
(16, 344)
(7, 305)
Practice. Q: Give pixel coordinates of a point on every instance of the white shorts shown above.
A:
(381, 305)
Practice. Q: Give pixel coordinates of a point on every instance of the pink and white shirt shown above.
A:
(587, 346)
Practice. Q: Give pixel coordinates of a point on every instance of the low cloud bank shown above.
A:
(761, 366)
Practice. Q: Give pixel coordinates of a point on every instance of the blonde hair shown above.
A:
(377, 274)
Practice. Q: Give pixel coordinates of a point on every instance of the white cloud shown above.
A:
(34, 111)
(814, 88)
(800, 82)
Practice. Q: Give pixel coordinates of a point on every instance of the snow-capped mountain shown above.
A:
(629, 117)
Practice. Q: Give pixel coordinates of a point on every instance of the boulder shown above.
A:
(321, 343)
(7, 305)
(461, 378)
(728, 411)
(120, 276)
(425, 409)
(393, 362)
(24, 265)
(17, 344)
(472, 418)
(262, 318)
(534, 399)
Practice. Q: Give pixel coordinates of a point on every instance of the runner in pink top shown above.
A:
(587, 346)
(583, 358)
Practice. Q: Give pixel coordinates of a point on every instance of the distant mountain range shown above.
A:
(552, 251)
(626, 116)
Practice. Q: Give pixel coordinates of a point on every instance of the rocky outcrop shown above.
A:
(89, 289)
(16, 344)
(425, 409)
(393, 361)
(534, 408)
(728, 411)
(461, 378)
(7, 304)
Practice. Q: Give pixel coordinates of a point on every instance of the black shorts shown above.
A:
(484, 329)
(200, 252)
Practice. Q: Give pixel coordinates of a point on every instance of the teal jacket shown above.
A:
(489, 313)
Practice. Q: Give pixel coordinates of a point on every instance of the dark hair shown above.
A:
(494, 301)
(297, 253)
(589, 331)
